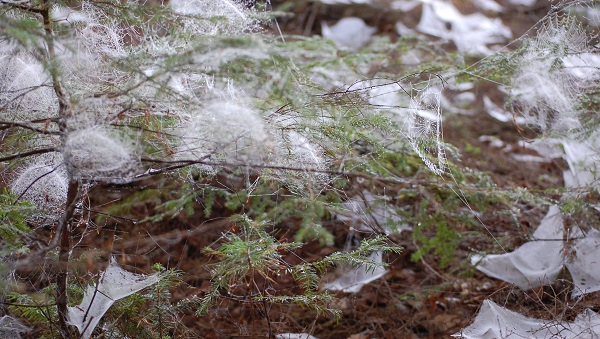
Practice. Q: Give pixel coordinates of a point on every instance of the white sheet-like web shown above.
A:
(348, 33)
(585, 266)
(354, 278)
(470, 33)
(539, 261)
(114, 284)
(494, 321)
(536, 262)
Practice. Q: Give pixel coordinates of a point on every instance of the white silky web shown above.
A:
(556, 68)
(368, 212)
(349, 33)
(470, 33)
(585, 266)
(102, 39)
(537, 262)
(12, 328)
(294, 336)
(25, 88)
(114, 284)
(222, 130)
(43, 182)
(295, 150)
(96, 153)
(424, 127)
(87, 58)
(214, 16)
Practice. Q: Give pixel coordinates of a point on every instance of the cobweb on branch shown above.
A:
(44, 182)
(233, 17)
(556, 69)
(24, 86)
(97, 153)
(424, 126)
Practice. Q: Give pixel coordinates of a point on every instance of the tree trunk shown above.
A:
(64, 251)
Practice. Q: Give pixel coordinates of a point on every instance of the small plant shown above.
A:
(250, 264)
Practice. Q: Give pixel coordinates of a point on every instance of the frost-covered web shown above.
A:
(424, 125)
(232, 16)
(218, 126)
(115, 283)
(293, 149)
(87, 57)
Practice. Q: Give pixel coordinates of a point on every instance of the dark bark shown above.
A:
(65, 223)
(64, 250)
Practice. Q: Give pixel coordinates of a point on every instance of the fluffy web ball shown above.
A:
(43, 183)
(95, 153)
(24, 87)
(225, 130)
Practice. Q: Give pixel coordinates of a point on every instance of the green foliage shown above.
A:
(38, 309)
(251, 262)
(13, 222)
(434, 234)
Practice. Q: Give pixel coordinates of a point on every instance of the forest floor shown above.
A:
(414, 299)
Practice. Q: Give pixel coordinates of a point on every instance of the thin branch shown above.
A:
(7, 125)
(27, 154)
(108, 215)
(23, 305)
(24, 8)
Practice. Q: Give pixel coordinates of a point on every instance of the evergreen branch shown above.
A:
(183, 163)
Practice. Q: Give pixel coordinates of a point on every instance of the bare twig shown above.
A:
(27, 154)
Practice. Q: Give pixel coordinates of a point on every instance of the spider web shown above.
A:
(114, 284)
(424, 125)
